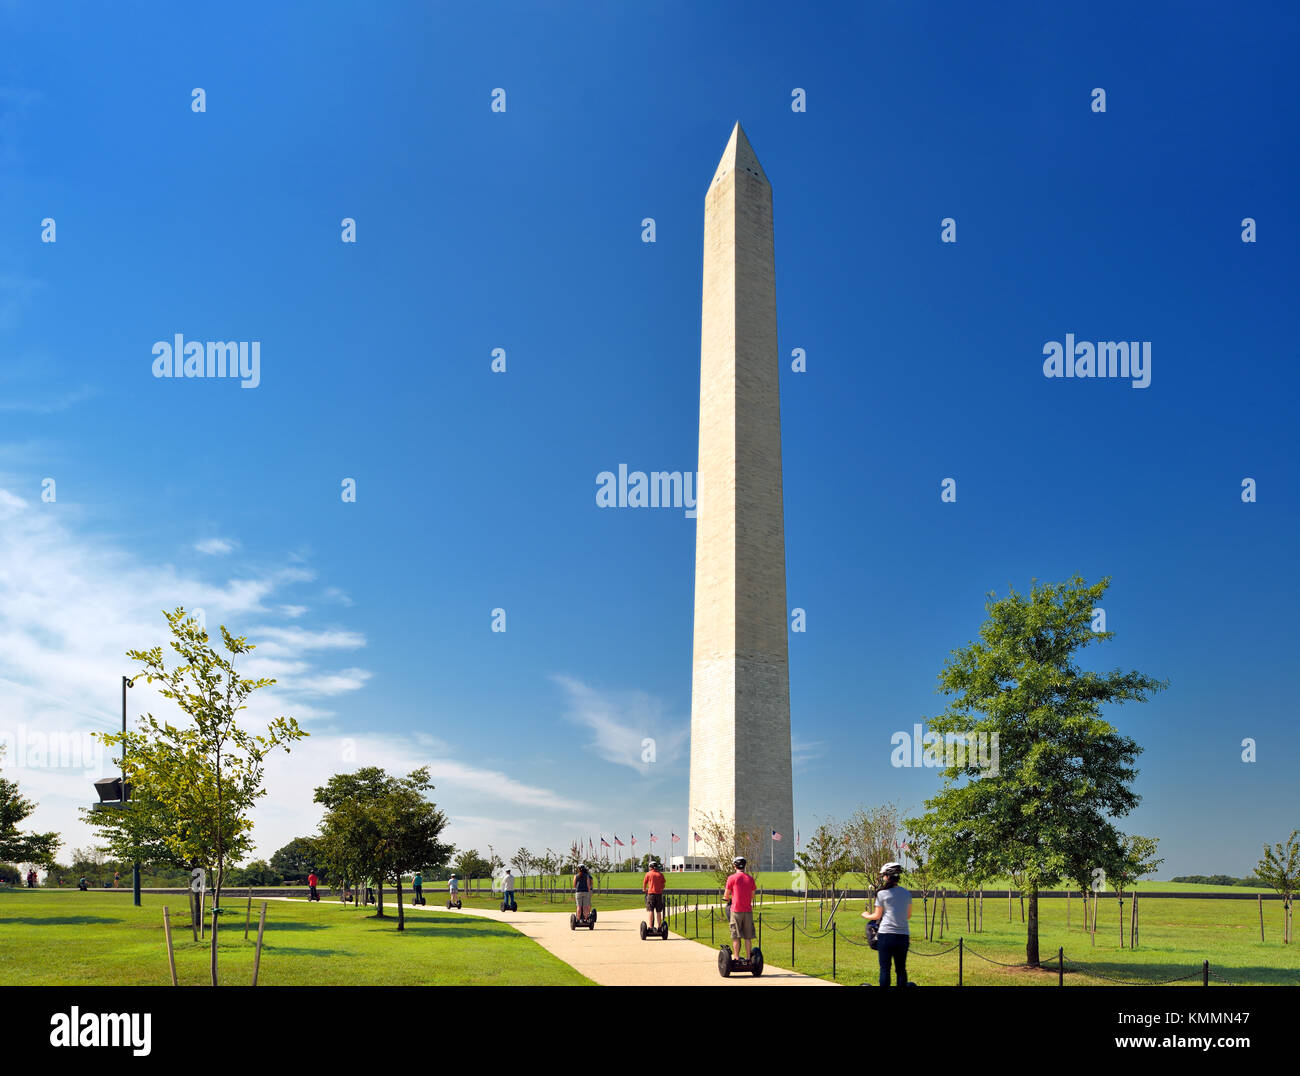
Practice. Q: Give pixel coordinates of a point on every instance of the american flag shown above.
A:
(604, 843)
(696, 836)
(653, 838)
(775, 836)
(675, 838)
(617, 841)
(633, 840)
(590, 847)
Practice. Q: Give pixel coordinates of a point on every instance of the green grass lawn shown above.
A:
(1176, 936)
(51, 937)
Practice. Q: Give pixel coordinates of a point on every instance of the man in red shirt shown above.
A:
(312, 883)
(740, 892)
(653, 887)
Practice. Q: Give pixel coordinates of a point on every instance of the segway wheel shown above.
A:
(573, 921)
(457, 904)
(503, 905)
(724, 961)
(643, 930)
(593, 917)
(663, 931)
(756, 963)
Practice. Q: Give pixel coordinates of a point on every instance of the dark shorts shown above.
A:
(654, 902)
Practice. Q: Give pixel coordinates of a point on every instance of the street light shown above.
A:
(115, 792)
(126, 792)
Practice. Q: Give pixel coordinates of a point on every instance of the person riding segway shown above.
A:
(453, 892)
(417, 884)
(586, 914)
(893, 910)
(508, 893)
(739, 893)
(653, 887)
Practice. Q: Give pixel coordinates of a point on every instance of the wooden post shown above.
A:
(1120, 898)
(1259, 897)
(1205, 973)
(194, 928)
(1060, 965)
(833, 939)
(792, 941)
(171, 955)
(249, 917)
(214, 945)
(960, 951)
(1067, 909)
(257, 957)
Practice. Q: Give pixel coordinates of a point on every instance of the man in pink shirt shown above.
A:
(740, 892)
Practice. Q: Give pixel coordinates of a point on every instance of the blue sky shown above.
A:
(522, 230)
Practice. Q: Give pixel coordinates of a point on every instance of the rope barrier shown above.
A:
(990, 960)
(1070, 966)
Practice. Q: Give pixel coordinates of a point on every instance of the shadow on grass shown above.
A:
(1152, 974)
(287, 925)
(450, 927)
(59, 920)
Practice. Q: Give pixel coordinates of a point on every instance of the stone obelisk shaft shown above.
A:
(740, 698)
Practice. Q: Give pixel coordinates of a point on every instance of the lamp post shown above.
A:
(135, 867)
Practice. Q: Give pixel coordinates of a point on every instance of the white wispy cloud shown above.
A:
(73, 602)
(621, 722)
(215, 547)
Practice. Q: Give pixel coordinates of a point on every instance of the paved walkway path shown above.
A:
(613, 954)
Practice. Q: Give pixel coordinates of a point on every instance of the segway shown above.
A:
(418, 900)
(509, 906)
(660, 931)
(588, 921)
(727, 963)
(453, 903)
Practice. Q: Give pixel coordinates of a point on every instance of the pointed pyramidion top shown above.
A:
(739, 156)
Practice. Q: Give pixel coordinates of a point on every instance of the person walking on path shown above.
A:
(739, 893)
(653, 887)
(582, 891)
(893, 909)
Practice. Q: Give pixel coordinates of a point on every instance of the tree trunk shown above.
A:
(401, 914)
(379, 898)
(1031, 932)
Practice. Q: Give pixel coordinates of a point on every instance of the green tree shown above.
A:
(826, 857)
(1280, 869)
(193, 786)
(258, 872)
(1063, 772)
(349, 840)
(297, 859)
(409, 827)
(523, 860)
(34, 848)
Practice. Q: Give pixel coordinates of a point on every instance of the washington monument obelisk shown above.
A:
(740, 691)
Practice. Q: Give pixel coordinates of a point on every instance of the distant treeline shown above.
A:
(1218, 879)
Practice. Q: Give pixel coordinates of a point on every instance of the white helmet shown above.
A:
(892, 869)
